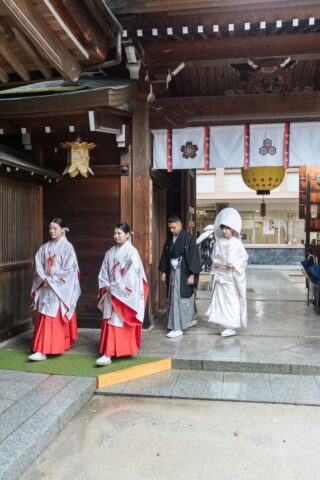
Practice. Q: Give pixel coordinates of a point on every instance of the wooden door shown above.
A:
(20, 211)
(90, 207)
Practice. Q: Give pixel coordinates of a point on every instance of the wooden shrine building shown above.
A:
(110, 72)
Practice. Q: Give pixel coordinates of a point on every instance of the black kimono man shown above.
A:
(180, 267)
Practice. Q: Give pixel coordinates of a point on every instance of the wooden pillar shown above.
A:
(142, 188)
(141, 161)
(188, 200)
(126, 203)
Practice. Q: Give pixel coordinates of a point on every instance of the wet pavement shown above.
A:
(121, 438)
(275, 360)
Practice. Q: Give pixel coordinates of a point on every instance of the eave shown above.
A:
(14, 159)
(68, 102)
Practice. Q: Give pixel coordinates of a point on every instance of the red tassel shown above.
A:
(246, 159)
(206, 148)
(169, 150)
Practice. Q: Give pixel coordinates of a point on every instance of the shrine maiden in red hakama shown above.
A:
(55, 292)
(123, 295)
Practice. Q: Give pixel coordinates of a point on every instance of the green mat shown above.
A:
(67, 364)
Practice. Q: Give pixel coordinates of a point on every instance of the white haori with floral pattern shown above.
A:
(122, 274)
(56, 262)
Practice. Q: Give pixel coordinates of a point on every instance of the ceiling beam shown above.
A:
(4, 77)
(32, 53)
(193, 111)
(222, 51)
(12, 59)
(47, 43)
(90, 30)
(52, 8)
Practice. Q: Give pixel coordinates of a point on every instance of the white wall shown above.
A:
(206, 183)
(293, 181)
(233, 183)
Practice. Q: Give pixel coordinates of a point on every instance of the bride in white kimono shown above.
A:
(228, 306)
(123, 296)
(55, 292)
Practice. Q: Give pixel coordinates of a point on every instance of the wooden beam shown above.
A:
(4, 77)
(90, 30)
(30, 51)
(28, 19)
(46, 125)
(55, 12)
(49, 125)
(110, 170)
(8, 126)
(214, 15)
(60, 104)
(233, 50)
(12, 59)
(193, 111)
(149, 6)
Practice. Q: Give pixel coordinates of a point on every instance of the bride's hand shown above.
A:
(230, 266)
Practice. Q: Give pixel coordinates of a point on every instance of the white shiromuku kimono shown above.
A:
(56, 262)
(123, 275)
(228, 305)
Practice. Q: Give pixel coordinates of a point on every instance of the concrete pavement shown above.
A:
(121, 438)
(275, 360)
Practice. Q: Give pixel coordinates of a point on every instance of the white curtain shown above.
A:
(304, 146)
(187, 148)
(226, 146)
(266, 145)
(159, 149)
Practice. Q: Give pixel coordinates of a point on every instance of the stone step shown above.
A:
(223, 386)
(33, 412)
(253, 366)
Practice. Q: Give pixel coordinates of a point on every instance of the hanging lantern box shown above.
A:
(263, 180)
(78, 158)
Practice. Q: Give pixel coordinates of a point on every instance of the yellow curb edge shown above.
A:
(131, 373)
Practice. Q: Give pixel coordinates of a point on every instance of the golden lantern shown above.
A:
(262, 180)
(78, 158)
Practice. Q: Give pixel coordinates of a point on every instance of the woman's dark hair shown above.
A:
(123, 226)
(59, 221)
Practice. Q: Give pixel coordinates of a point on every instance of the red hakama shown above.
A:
(119, 341)
(54, 335)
